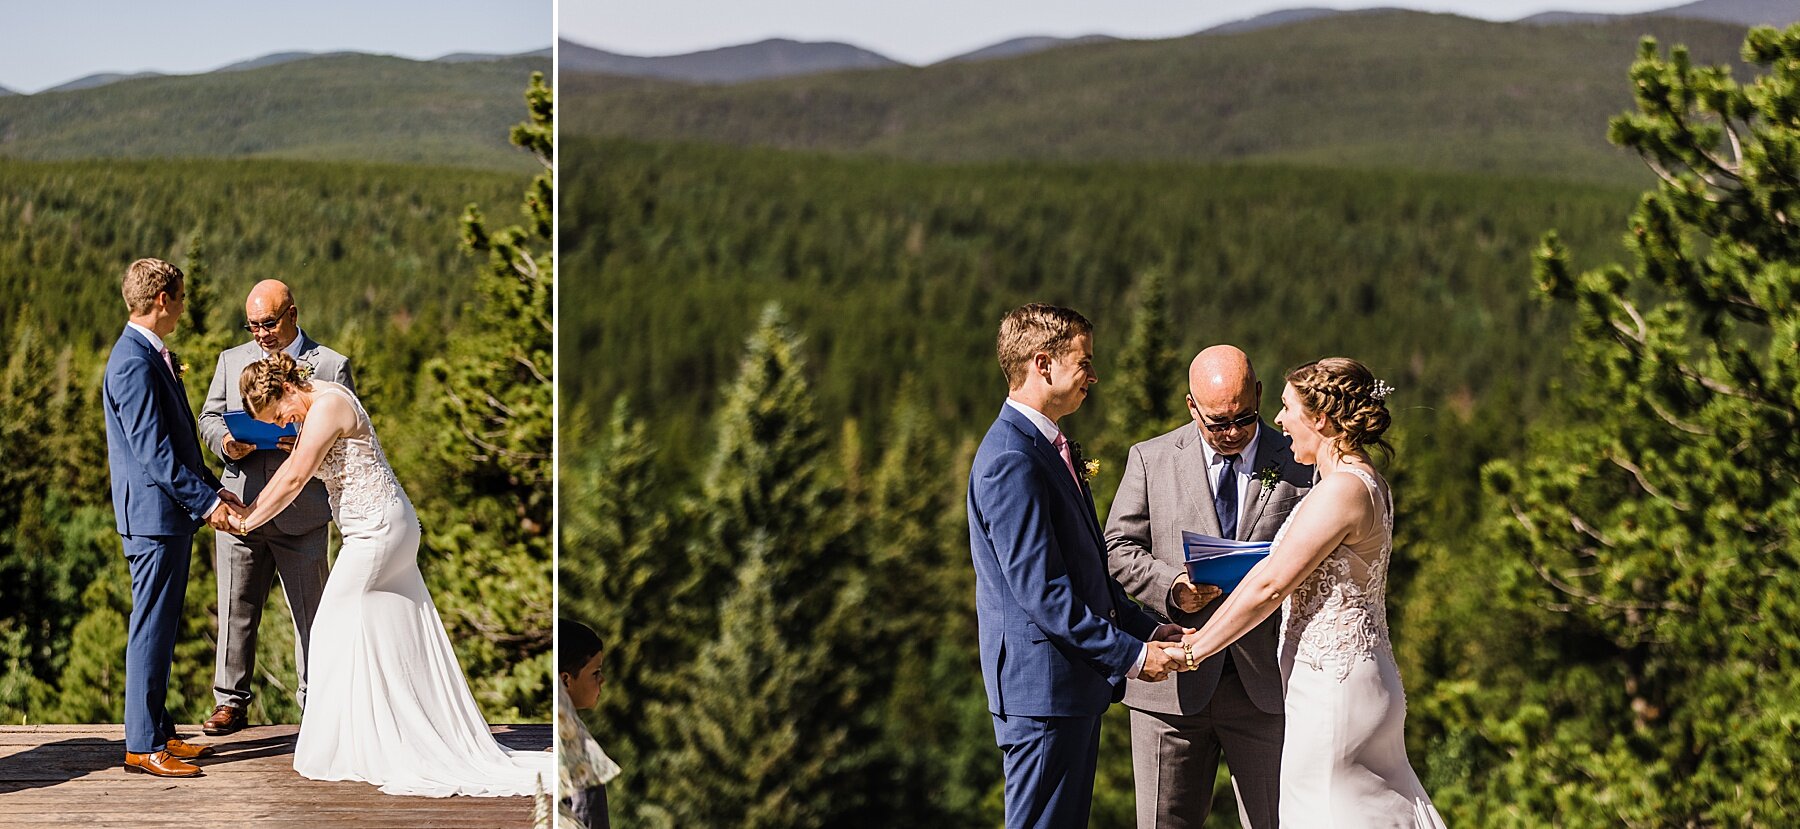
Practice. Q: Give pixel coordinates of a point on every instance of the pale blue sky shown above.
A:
(925, 31)
(44, 43)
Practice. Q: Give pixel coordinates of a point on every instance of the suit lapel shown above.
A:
(1084, 495)
(1190, 462)
(308, 350)
(161, 367)
(1266, 451)
(1059, 470)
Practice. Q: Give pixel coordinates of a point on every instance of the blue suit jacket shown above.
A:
(160, 483)
(1058, 634)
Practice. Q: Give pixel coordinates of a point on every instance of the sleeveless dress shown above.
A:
(386, 700)
(1343, 757)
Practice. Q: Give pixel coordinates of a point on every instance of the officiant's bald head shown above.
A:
(1223, 392)
(270, 315)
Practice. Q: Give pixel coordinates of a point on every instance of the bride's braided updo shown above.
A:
(1347, 395)
(261, 384)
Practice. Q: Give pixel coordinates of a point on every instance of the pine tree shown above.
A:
(616, 576)
(56, 529)
(766, 734)
(919, 624)
(495, 392)
(202, 296)
(1651, 537)
(497, 381)
(1148, 386)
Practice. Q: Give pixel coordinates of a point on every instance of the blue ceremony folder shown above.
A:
(262, 435)
(1220, 562)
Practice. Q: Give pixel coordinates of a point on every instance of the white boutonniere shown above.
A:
(1268, 476)
(305, 370)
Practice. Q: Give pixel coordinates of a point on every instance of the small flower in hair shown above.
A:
(1382, 390)
(304, 371)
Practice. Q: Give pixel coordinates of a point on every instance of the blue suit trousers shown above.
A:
(1049, 769)
(159, 571)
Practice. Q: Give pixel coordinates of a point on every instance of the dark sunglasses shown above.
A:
(1238, 422)
(269, 324)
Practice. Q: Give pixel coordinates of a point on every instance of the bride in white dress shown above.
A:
(386, 702)
(1343, 757)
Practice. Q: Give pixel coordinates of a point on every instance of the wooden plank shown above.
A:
(73, 775)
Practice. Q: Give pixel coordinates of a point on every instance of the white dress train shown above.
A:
(386, 701)
(1343, 758)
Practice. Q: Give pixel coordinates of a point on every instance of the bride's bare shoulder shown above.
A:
(1344, 493)
(334, 410)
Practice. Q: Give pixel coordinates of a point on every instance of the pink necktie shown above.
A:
(1062, 448)
(170, 362)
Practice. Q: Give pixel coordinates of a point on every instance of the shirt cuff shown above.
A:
(214, 508)
(1138, 666)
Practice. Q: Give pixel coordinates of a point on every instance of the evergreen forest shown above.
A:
(779, 359)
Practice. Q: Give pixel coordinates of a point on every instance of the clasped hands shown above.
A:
(1168, 653)
(229, 515)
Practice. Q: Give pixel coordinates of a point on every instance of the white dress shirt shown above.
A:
(1215, 468)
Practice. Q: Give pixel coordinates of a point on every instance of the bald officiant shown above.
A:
(293, 545)
(1225, 474)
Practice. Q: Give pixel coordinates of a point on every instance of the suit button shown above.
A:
(1113, 613)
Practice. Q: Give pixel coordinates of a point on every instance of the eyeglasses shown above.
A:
(269, 324)
(1238, 422)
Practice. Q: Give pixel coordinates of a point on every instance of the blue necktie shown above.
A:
(1225, 501)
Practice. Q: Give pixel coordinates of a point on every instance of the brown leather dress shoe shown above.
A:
(182, 750)
(225, 719)
(161, 764)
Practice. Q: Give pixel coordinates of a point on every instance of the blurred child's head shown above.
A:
(578, 654)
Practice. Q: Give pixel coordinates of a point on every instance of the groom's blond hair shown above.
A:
(1028, 329)
(145, 279)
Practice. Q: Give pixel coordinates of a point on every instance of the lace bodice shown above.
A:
(1338, 615)
(355, 470)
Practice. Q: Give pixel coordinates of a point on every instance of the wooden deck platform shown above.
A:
(73, 775)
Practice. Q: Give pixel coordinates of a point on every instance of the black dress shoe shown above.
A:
(225, 719)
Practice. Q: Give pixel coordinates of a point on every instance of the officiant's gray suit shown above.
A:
(1233, 701)
(292, 545)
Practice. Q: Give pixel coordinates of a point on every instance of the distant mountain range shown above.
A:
(101, 79)
(774, 58)
(780, 58)
(1779, 13)
(1371, 89)
(275, 59)
(1025, 46)
(343, 106)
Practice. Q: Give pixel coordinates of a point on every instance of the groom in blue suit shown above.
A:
(161, 493)
(1059, 637)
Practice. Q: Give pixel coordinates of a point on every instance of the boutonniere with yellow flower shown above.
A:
(1268, 476)
(305, 370)
(1088, 467)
